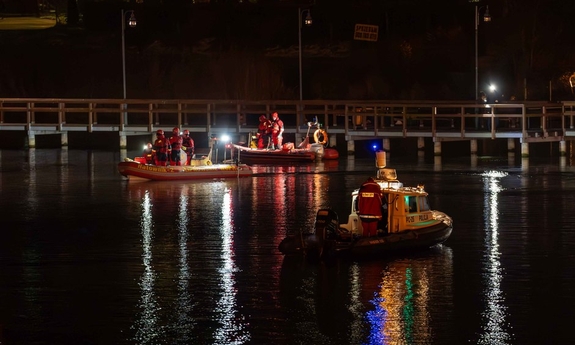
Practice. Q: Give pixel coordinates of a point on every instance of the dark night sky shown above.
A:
(422, 43)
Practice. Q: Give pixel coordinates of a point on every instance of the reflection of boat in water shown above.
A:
(387, 301)
(401, 309)
(408, 223)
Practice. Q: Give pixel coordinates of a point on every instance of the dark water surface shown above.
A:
(89, 258)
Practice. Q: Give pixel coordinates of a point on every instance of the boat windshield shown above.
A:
(413, 201)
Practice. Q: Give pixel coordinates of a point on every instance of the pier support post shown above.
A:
(386, 143)
(562, 148)
(525, 164)
(510, 145)
(332, 140)
(350, 147)
(420, 144)
(473, 146)
(64, 139)
(437, 148)
(524, 150)
(123, 141)
(31, 140)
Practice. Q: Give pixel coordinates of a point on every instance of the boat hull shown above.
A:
(257, 156)
(402, 241)
(314, 246)
(135, 170)
(330, 153)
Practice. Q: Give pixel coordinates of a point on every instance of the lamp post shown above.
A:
(486, 18)
(306, 22)
(131, 23)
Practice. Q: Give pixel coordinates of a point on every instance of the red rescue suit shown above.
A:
(277, 130)
(176, 144)
(161, 146)
(149, 154)
(188, 143)
(263, 135)
(369, 206)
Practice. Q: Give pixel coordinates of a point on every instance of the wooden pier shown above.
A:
(520, 123)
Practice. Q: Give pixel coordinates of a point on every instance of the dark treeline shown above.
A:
(249, 50)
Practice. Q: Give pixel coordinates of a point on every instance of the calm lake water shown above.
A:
(89, 258)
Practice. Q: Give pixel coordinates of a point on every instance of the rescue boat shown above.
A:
(286, 154)
(136, 170)
(199, 168)
(408, 223)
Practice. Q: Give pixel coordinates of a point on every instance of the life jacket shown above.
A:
(369, 196)
(188, 143)
(176, 142)
(277, 125)
(161, 145)
(264, 127)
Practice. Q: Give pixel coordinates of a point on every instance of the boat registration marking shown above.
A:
(153, 168)
(171, 170)
(417, 218)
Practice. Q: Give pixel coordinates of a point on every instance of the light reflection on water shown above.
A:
(495, 328)
(148, 331)
(197, 262)
(402, 303)
(232, 323)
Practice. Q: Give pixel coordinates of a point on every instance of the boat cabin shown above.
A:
(404, 208)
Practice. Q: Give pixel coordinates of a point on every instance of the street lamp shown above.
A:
(486, 18)
(131, 23)
(307, 22)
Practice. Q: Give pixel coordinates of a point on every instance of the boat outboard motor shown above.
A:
(326, 224)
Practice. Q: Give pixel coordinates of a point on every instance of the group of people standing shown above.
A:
(270, 132)
(168, 150)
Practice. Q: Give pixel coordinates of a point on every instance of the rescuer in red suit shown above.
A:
(176, 144)
(277, 131)
(263, 134)
(188, 145)
(149, 153)
(370, 206)
(161, 146)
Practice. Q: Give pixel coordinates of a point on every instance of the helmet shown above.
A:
(159, 132)
(274, 114)
(186, 132)
(176, 129)
(263, 118)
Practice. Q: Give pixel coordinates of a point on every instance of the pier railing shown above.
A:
(356, 119)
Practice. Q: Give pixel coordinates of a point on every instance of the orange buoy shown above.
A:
(330, 153)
